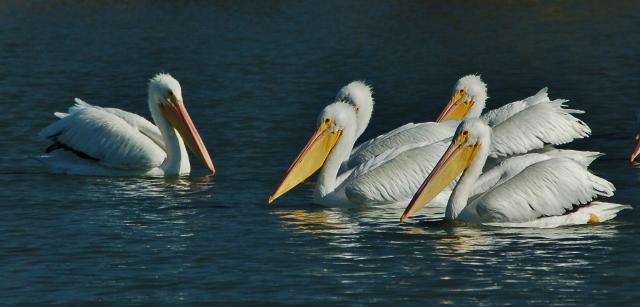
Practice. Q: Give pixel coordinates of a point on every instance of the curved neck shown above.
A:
(177, 161)
(363, 116)
(460, 194)
(327, 178)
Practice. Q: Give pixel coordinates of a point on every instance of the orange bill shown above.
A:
(455, 108)
(180, 120)
(636, 151)
(455, 160)
(310, 159)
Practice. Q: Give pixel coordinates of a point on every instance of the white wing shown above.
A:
(548, 188)
(429, 132)
(106, 137)
(396, 179)
(142, 124)
(504, 171)
(511, 167)
(543, 123)
(519, 127)
(497, 116)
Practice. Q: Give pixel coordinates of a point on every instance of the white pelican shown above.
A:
(544, 125)
(393, 176)
(111, 142)
(398, 172)
(389, 178)
(636, 150)
(327, 148)
(550, 193)
(360, 96)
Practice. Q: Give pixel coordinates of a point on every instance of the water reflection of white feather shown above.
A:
(452, 257)
(471, 244)
(168, 189)
(151, 207)
(329, 221)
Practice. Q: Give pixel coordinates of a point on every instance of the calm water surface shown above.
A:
(254, 76)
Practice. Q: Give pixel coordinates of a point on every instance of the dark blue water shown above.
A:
(254, 76)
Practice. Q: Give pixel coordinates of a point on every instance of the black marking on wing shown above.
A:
(579, 206)
(57, 145)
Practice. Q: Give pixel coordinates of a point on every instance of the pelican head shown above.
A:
(165, 94)
(335, 123)
(359, 95)
(472, 134)
(467, 100)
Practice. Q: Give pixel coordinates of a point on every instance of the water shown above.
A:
(254, 77)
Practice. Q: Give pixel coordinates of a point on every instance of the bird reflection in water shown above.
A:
(328, 221)
(154, 204)
(170, 188)
(464, 241)
(324, 220)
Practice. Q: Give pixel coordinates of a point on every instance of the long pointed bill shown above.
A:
(455, 160)
(636, 151)
(455, 108)
(310, 159)
(180, 120)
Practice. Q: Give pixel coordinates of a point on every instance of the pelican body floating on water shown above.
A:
(549, 193)
(111, 142)
(404, 157)
(537, 121)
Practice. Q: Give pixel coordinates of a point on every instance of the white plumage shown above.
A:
(397, 179)
(548, 193)
(393, 175)
(326, 150)
(519, 127)
(360, 96)
(111, 142)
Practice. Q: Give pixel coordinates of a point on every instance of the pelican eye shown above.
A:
(171, 96)
(327, 122)
(343, 99)
(463, 136)
(357, 109)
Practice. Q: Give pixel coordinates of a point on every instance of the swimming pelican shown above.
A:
(393, 176)
(398, 172)
(111, 142)
(327, 148)
(544, 125)
(550, 193)
(388, 179)
(636, 151)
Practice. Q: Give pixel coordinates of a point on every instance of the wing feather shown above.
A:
(548, 188)
(106, 137)
(546, 122)
(497, 116)
(394, 180)
(142, 124)
(429, 132)
(512, 166)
